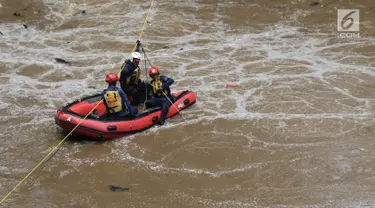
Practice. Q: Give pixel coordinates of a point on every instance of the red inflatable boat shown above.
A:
(99, 125)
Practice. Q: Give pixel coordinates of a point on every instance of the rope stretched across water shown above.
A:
(63, 140)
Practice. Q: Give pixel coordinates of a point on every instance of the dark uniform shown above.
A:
(115, 99)
(158, 98)
(130, 81)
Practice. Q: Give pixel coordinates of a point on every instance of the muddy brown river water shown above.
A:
(297, 132)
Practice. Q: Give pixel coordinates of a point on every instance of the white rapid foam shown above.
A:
(269, 66)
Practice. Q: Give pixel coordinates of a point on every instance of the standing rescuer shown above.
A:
(115, 99)
(160, 92)
(130, 77)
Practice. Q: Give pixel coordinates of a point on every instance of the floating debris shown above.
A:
(25, 26)
(165, 47)
(18, 14)
(231, 86)
(315, 3)
(83, 11)
(181, 49)
(116, 188)
(1, 33)
(362, 149)
(62, 61)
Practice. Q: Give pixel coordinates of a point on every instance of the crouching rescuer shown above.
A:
(115, 99)
(159, 92)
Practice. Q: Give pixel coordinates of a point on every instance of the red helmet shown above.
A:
(110, 78)
(153, 71)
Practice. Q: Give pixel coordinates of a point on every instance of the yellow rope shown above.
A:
(141, 33)
(45, 158)
(62, 141)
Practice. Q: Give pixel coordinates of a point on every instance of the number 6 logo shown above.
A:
(348, 20)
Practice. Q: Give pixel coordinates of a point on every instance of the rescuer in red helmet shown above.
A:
(115, 99)
(160, 92)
